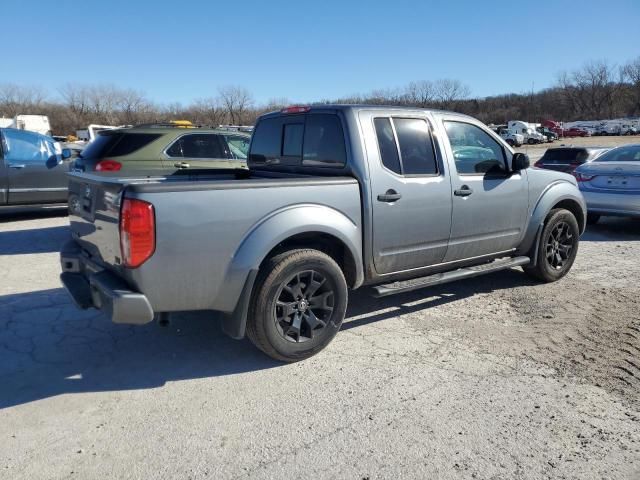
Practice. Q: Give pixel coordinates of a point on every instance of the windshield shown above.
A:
(630, 153)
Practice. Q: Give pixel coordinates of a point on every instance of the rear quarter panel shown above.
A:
(208, 240)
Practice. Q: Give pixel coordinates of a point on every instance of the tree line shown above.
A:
(597, 90)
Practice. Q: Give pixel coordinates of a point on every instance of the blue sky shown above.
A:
(305, 51)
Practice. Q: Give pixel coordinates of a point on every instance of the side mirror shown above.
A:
(66, 153)
(520, 161)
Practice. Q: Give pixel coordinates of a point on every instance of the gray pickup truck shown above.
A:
(335, 198)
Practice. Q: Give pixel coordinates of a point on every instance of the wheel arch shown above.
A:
(303, 226)
(559, 194)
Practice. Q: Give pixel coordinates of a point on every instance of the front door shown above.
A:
(490, 203)
(36, 172)
(411, 192)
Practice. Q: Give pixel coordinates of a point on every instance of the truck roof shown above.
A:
(358, 107)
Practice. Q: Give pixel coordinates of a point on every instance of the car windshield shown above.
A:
(630, 153)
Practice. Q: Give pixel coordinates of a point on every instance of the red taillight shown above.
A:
(137, 232)
(539, 164)
(108, 166)
(581, 177)
(296, 109)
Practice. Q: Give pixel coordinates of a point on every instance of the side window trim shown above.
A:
(434, 146)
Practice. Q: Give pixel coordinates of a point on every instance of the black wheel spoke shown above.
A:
(321, 301)
(304, 306)
(559, 245)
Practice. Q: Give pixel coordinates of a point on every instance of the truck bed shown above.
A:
(204, 226)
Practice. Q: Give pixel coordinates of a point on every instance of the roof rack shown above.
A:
(236, 128)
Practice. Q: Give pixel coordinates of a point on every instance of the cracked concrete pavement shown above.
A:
(493, 377)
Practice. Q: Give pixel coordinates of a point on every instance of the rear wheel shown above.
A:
(531, 141)
(558, 247)
(298, 305)
(510, 142)
(592, 218)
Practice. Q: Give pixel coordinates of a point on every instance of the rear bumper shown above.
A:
(622, 204)
(93, 287)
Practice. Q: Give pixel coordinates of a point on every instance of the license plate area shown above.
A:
(618, 182)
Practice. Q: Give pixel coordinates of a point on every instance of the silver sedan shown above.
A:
(611, 183)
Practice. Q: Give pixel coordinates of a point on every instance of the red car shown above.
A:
(576, 132)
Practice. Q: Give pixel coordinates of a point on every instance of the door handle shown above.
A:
(389, 196)
(181, 165)
(17, 165)
(464, 191)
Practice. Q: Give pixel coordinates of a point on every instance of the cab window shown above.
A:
(27, 147)
(475, 152)
(415, 155)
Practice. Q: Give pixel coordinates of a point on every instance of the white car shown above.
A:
(513, 139)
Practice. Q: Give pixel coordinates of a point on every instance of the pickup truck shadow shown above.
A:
(613, 229)
(12, 214)
(365, 307)
(40, 240)
(49, 348)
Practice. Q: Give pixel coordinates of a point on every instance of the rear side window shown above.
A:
(312, 140)
(198, 145)
(118, 144)
(387, 144)
(416, 149)
(416, 155)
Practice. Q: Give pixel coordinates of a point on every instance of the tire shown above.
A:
(298, 305)
(592, 218)
(510, 142)
(531, 141)
(554, 258)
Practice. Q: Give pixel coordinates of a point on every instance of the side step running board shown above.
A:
(438, 278)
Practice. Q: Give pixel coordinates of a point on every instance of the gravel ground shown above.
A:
(491, 378)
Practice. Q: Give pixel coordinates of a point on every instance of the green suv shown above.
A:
(163, 149)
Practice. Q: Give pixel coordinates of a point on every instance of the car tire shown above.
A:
(557, 248)
(531, 141)
(298, 305)
(592, 218)
(510, 142)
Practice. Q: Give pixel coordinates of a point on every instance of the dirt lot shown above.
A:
(493, 377)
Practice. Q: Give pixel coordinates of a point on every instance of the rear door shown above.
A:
(198, 150)
(36, 172)
(411, 191)
(490, 203)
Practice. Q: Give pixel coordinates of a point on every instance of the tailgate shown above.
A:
(94, 208)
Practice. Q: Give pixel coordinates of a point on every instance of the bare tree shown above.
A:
(236, 100)
(448, 92)
(421, 93)
(631, 74)
(16, 99)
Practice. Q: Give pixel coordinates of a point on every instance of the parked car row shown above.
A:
(34, 167)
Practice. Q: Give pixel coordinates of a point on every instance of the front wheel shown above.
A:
(531, 141)
(558, 247)
(298, 305)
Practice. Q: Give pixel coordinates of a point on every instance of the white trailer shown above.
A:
(32, 123)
